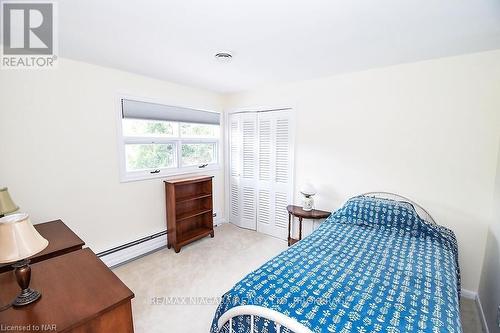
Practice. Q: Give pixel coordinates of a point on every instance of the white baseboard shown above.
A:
(128, 254)
(475, 296)
(481, 314)
(219, 221)
(469, 294)
(135, 251)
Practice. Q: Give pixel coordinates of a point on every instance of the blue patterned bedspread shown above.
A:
(373, 266)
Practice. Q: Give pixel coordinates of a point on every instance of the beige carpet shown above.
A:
(200, 273)
(206, 268)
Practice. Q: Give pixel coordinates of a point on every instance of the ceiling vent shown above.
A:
(223, 56)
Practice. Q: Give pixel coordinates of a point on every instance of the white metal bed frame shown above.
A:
(283, 321)
(421, 211)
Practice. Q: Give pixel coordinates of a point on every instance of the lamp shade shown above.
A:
(7, 206)
(308, 189)
(18, 238)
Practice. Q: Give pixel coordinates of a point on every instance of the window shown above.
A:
(198, 153)
(149, 128)
(149, 156)
(158, 140)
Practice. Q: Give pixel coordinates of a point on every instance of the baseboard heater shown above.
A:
(127, 252)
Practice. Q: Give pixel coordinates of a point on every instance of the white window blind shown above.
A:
(153, 111)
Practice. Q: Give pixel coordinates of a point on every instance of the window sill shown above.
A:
(168, 173)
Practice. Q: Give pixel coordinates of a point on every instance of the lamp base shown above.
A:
(22, 271)
(308, 203)
(27, 296)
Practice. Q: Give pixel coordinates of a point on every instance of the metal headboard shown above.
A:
(421, 211)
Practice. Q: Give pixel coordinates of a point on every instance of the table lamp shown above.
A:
(308, 191)
(19, 240)
(7, 206)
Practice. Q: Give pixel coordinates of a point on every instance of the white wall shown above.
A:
(58, 150)
(427, 130)
(489, 288)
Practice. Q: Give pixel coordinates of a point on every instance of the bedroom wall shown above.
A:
(427, 130)
(489, 288)
(59, 150)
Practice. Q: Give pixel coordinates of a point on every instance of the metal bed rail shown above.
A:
(280, 320)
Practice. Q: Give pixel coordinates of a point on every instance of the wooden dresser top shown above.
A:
(61, 240)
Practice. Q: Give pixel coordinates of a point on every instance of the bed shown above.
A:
(378, 264)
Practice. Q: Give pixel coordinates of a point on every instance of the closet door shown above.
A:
(243, 170)
(248, 179)
(275, 181)
(265, 202)
(235, 160)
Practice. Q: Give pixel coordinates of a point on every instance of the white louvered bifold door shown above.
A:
(248, 179)
(274, 172)
(243, 168)
(265, 204)
(261, 181)
(234, 169)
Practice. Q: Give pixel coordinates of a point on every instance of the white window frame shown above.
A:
(128, 176)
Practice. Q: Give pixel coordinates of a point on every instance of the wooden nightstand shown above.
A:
(297, 211)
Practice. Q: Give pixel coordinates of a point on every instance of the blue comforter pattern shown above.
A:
(373, 266)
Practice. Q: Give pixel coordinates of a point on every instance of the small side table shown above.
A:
(297, 211)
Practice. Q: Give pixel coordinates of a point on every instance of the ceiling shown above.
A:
(271, 40)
